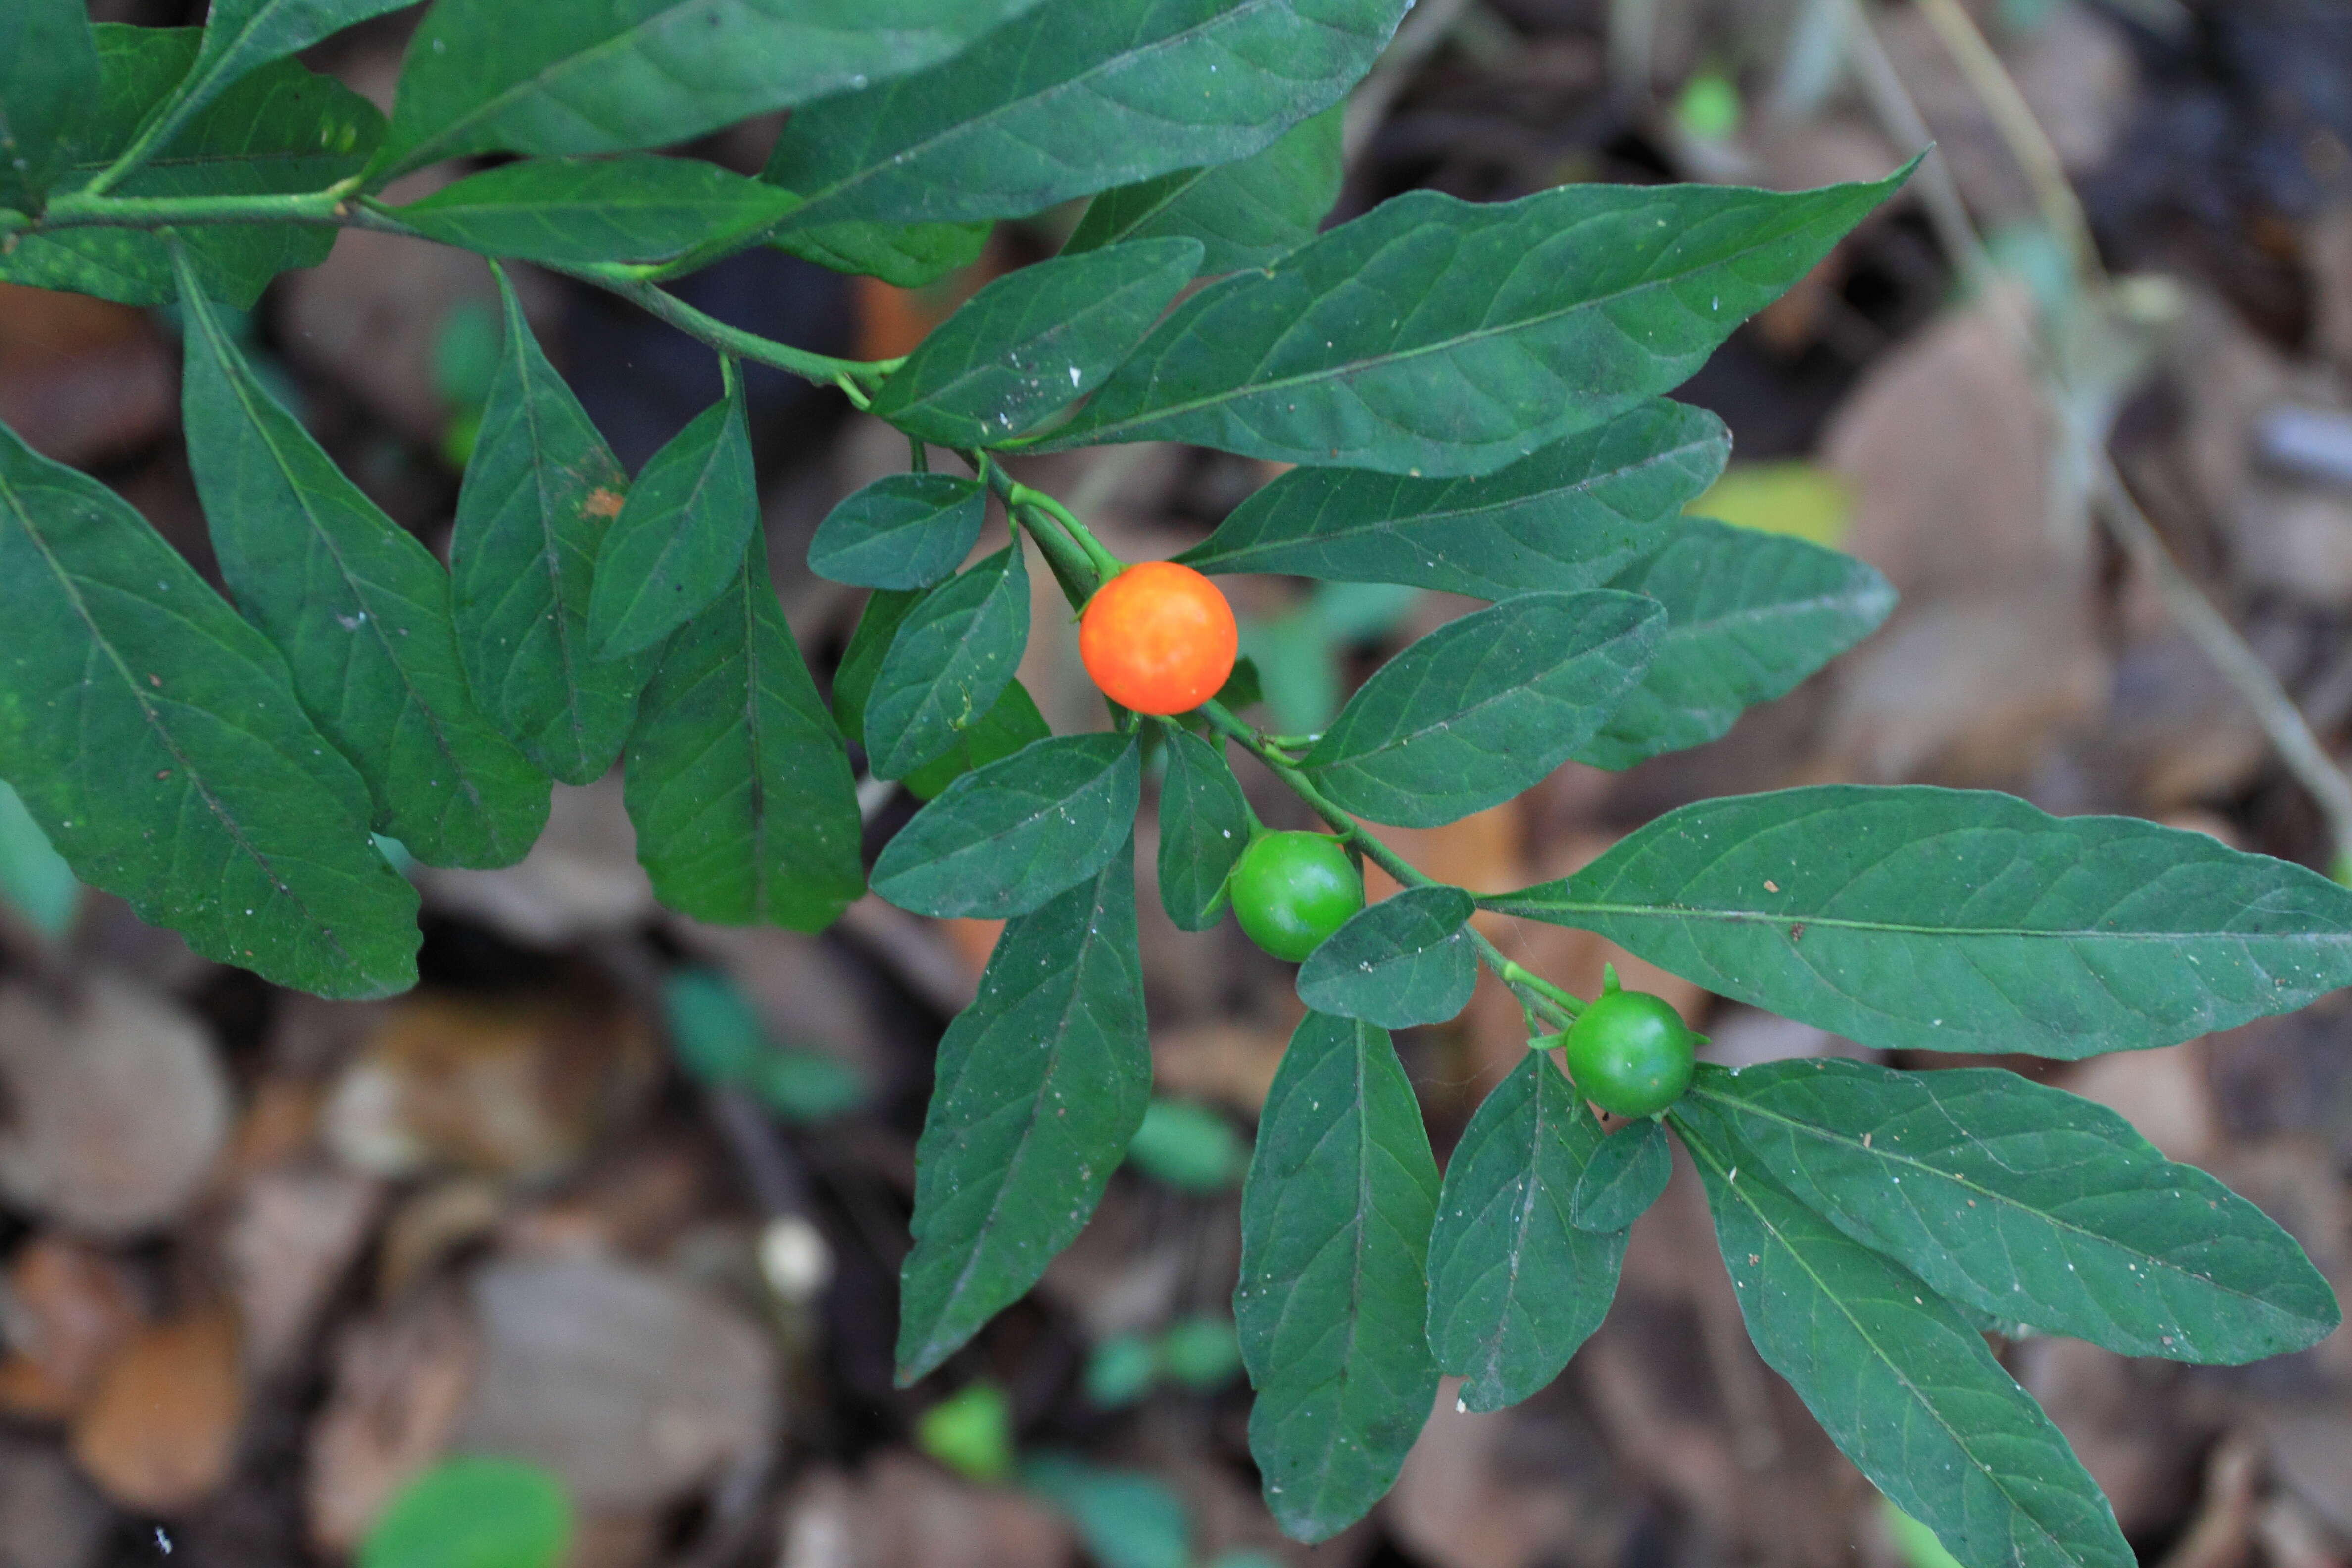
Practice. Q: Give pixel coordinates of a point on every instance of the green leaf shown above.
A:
(1004, 840)
(1902, 1384)
(242, 35)
(1204, 825)
(540, 492)
(869, 641)
(1406, 960)
(359, 607)
(280, 130)
(1747, 616)
(736, 779)
(1075, 97)
(473, 1512)
(1245, 213)
(1127, 1519)
(904, 255)
(947, 664)
(35, 879)
(2030, 1204)
(48, 82)
(1434, 336)
(681, 535)
(720, 1041)
(482, 76)
(1515, 1287)
(155, 739)
(1042, 1083)
(1935, 919)
(971, 1433)
(579, 211)
(903, 530)
(1010, 724)
(1483, 706)
(1033, 342)
(1189, 1146)
(1569, 517)
(1625, 1177)
(1335, 1233)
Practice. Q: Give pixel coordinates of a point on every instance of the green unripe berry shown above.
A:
(1292, 890)
(1630, 1053)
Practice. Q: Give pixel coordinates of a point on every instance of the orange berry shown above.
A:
(1159, 638)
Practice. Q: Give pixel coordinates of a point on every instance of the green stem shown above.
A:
(1106, 565)
(1072, 569)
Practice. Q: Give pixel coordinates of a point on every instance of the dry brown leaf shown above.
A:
(398, 1382)
(64, 1309)
(159, 1434)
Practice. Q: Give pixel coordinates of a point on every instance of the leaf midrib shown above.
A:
(1516, 904)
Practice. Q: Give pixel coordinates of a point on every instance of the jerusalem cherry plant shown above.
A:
(1469, 398)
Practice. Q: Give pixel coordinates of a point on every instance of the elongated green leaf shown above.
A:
(1005, 839)
(1483, 707)
(1033, 342)
(1406, 960)
(35, 879)
(1514, 1287)
(1042, 1083)
(903, 530)
(1432, 336)
(1901, 1383)
(578, 211)
(48, 86)
(737, 781)
(1625, 1177)
(2030, 1204)
(157, 740)
(1920, 918)
(482, 75)
(360, 609)
(540, 491)
(1569, 517)
(1336, 1214)
(242, 35)
(279, 131)
(906, 255)
(680, 537)
(1749, 616)
(1011, 723)
(947, 664)
(861, 661)
(1245, 213)
(1073, 98)
(1204, 825)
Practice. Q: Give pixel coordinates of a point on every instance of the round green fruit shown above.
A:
(1292, 890)
(1630, 1053)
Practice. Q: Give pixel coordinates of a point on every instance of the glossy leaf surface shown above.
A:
(1042, 1084)
(1336, 1214)
(1073, 98)
(1922, 919)
(155, 738)
(680, 537)
(2031, 1205)
(1406, 960)
(947, 664)
(1572, 516)
(1002, 841)
(1483, 707)
(542, 491)
(48, 85)
(1033, 342)
(1246, 213)
(1204, 825)
(1434, 336)
(580, 211)
(1625, 1175)
(1901, 1383)
(1749, 616)
(1513, 1286)
(280, 130)
(903, 530)
(359, 609)
(737, 781)
(483, 75)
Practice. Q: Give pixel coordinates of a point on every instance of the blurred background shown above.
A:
(604, 1221)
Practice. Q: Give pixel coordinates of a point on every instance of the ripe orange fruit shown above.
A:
(1159, 638)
